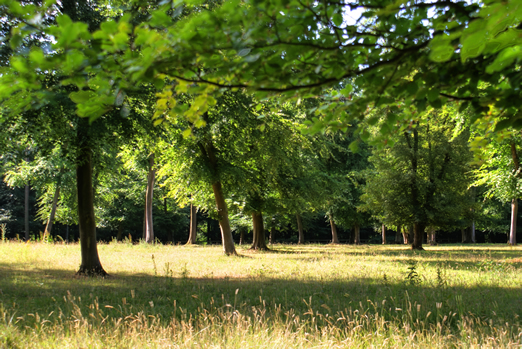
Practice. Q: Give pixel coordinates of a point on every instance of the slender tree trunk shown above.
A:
(241, 236)
(513, 229)
(67, 234)
(26, 212)
(271, 239)
(357, 237)
(398, 235)
(466, 235)
(208, 151)
(90, 264)
(119, 235)
(418, 231)
(335, 238)
(407, 234)
(149, 226)
(259, 242)
(224, 223)
(49, 226)
(352, 236)
(193, 225)
(383, 233)
(473, 234)
(300, 229)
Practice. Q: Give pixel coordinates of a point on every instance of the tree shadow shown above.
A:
(49, 290)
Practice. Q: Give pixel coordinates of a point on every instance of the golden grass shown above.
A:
(291, 297)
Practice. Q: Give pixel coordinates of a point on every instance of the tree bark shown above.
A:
(227, 240)
(193, 225)
(224, 223)
(119, 235)
(241, 236)
(271, 239)
(418, 230)
(26, 212)
(300, 229)
(466, 235)
(357, 233)
(90, 264)
(335, 238)
(149, 226)
(259, 242)
(398, 235)
(513, 229)
(49, 225)
(383, 228)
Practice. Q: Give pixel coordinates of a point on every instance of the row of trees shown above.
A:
(214, 95)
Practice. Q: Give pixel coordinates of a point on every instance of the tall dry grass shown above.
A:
(292, 297)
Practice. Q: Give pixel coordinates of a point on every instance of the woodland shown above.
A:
(203, 122)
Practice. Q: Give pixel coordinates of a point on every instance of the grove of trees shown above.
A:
(283, 119)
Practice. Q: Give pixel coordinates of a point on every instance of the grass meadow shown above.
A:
(294, 296)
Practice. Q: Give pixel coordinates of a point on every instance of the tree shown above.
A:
(500, 170)
(421, 179)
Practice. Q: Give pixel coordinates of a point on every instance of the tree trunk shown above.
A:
(49, 226)
(473, 235)
(271, 239)
(149, 227)
(432, 236)
(119, 235)
(67, 234)
(513, 229)
(241, 236)
(208, 151)
(466, 235)
(300, 229)
(26, 212)
(418, 231)
(90, 264)
(193, 225)
(398, 235)
(335, 238)
(259, 242)
(357, 233)
(407, 233)
(224, 223)
(383, 228)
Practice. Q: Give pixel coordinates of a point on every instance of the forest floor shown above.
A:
(294, 296)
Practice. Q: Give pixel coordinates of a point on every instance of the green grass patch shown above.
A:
(293, 296)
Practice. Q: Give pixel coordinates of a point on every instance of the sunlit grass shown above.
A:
(293, 296)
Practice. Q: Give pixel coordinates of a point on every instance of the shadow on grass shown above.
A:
(50, 290)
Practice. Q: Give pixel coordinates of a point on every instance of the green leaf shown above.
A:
(337, 19)
(81, 96)
(502, 125)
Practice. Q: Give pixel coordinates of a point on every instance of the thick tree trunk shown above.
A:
(149, 227)
(335, 238)
(224, 223)
(357, 233)
(383, 233)
(26, 212)
(193, 225)
(259, 242)
(300, 229)
(407, 233)
(90, 264)
(418, 231)
(513, 229)
(49, 226)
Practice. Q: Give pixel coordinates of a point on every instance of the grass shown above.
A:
(291, 297)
